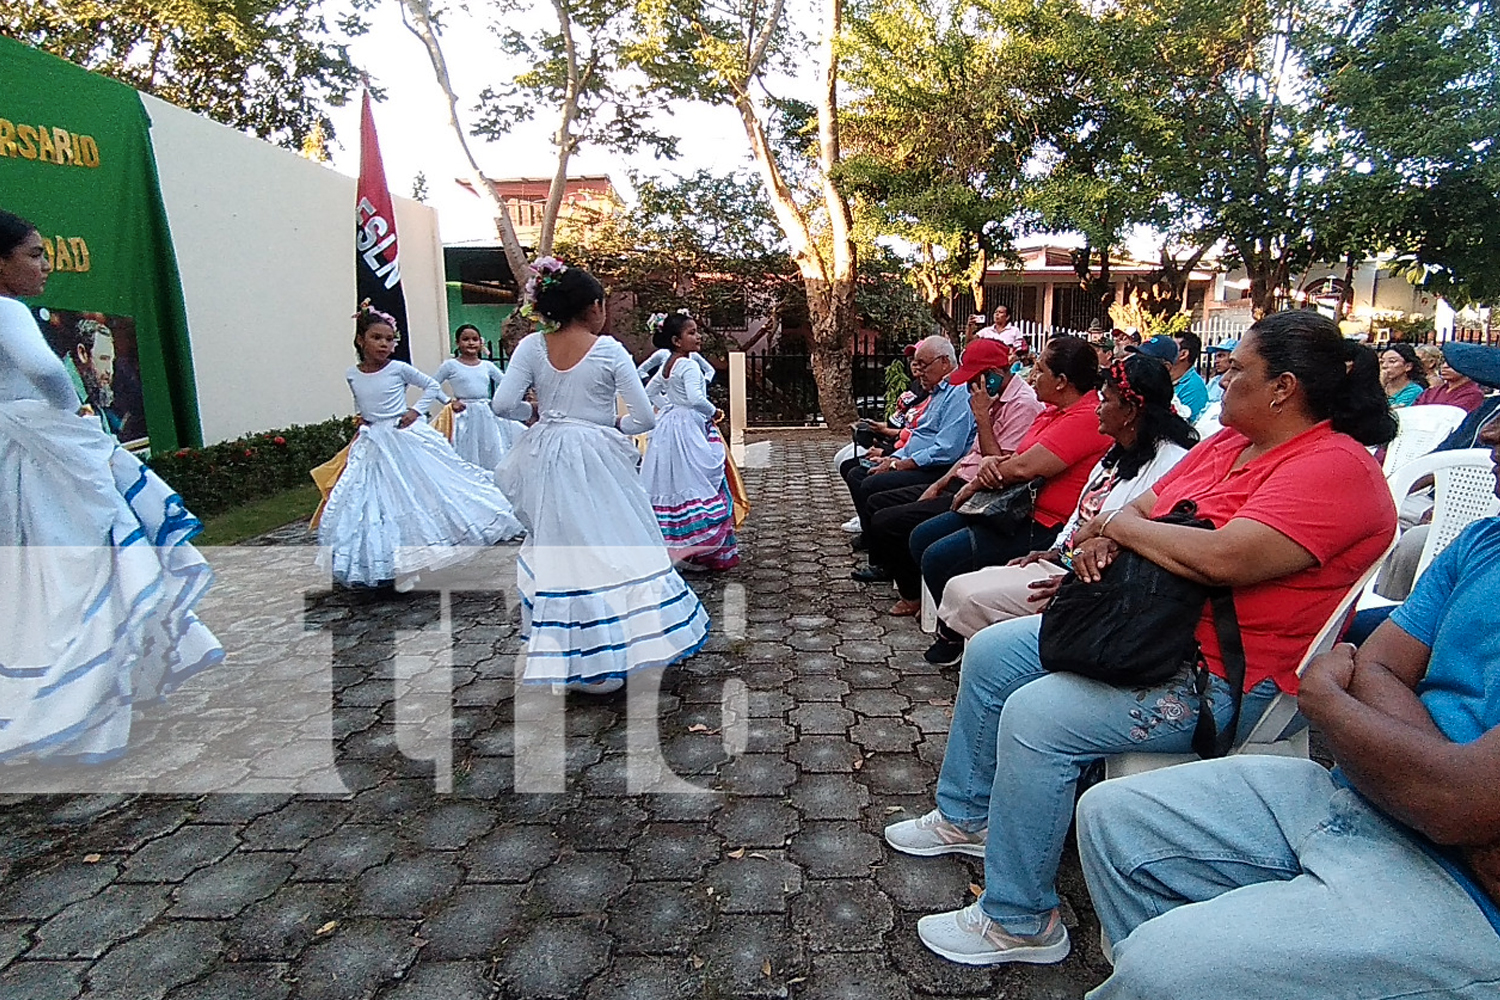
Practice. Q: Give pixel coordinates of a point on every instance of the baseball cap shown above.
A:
(1224, 345)
(1160, 347)
(980, 356)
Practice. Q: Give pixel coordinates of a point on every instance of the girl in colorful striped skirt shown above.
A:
(683, 470)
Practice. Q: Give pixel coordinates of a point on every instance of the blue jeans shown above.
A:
(951, 543)
(1020, 739)
(1255, 877)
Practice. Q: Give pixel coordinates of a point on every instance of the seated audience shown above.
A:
(1150, 438)
(1219, 355)
(940, 438)
(1061, 447)
(1401, 374)
(1300, 406)
(880, 436)
(1002, 420)
(1453, 389)
(1381, 879)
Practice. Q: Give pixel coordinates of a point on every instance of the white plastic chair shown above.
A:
(1422, 428)
(1265, 737)
(1463, 492)
(1208, 424)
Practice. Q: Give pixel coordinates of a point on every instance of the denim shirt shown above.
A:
(946, 430)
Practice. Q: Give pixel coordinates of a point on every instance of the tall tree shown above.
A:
(267, 67)
(724, 53)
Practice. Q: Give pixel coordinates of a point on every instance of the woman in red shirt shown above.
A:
(1301, 511)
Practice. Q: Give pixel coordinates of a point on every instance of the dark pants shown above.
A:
(862, 485)
(894, 515)
(1366, 622)
(950, 544)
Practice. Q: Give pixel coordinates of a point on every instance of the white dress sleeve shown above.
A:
(656, 391)
(431, 391)
(653, 363)
(518, 377)
(705, 365)
(638, 418)
(440, 376)
(26, 353)
(695, 387)
(495, 375)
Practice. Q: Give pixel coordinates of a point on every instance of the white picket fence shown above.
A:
(1211, 331)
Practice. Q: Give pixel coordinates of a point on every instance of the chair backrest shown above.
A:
(1422, 428)
(1278, 715)
(1208, 423)
(1463, 492)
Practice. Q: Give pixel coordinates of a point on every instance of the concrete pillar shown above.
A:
(737, 409)
(1047, 307)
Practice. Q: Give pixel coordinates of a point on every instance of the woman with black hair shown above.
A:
(1135, 409)
(1301, 511)
(1401, 374)
(600, 598)
(683, 470)
(1061, 446)
(101, 578)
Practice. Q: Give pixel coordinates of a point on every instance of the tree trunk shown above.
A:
(830, 305)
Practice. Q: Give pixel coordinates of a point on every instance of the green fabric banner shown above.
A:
(76, 159)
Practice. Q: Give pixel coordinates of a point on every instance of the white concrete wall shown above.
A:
(265, 247)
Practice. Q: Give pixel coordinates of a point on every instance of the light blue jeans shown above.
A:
(1020, 739)
(1254, 877)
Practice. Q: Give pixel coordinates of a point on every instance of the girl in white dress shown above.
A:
(479, 436)
(683, 471)
(600, 598)
(405, 502)
(98, 576)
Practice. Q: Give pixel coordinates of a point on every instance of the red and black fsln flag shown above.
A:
(377, 256)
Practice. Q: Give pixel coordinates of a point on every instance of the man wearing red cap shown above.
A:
(1004, 407)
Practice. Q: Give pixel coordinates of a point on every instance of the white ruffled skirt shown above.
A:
(683, 460)
(480, 437)
(600, 598)
(99, 583)
(407, 503)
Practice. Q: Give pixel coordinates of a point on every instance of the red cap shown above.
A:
(980, 356)
(909, 350)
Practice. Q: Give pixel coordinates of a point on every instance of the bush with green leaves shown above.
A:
(215, 478)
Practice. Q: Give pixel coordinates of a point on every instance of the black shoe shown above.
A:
(858, 543)
(943, 653)
(871, 574)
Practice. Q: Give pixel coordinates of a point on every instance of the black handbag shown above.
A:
(1012, 506)
(1135, 628)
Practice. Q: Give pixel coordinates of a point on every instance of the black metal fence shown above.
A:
(780, 390)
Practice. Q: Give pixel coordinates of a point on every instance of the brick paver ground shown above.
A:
(772, 881)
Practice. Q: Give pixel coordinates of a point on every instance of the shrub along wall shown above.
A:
(213, 479)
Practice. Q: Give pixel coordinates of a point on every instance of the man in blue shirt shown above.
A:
(941, 436)
(1379, 880)
(1219, 353)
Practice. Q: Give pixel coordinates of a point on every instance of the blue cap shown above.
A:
(1480, 363)
(1224, 345)
(1161, 347)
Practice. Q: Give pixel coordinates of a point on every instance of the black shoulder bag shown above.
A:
(1008, 507)
(1135, 628)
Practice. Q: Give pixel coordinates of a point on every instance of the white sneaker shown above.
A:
(932, 835)
(969, 937)
(607, 686)
(406, 583)
(851, 525)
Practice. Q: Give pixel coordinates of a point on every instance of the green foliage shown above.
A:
(266, 67)
(897, 381)
(260, 516)
(888, 304)
(213, 479)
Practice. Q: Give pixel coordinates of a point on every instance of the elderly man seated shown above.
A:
(1270, 877)
(940, 438)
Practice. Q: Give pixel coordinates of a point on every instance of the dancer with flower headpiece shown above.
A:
(405, 502)
(684, 471)
(659, 357)
(600, 598)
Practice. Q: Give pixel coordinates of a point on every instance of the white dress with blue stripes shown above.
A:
(599, 595)
(98, 578)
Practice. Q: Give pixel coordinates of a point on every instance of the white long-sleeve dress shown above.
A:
(599, 595)
(479, 436)
(98, 578)
(683, 470)
(406, 502)
(659, 357)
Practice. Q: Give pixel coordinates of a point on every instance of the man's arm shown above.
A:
(1390, 749)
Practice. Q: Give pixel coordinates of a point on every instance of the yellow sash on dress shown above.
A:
(736, 487)
(443, 422)
(326, 476)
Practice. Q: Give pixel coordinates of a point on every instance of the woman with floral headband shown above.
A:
(600, 598)
(683, 471)
(405, 502)
(659, 357)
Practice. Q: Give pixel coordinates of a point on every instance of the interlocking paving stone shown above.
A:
(555, 958)
(149, 966)
(355, 960)
(842, 916)
(43, 980)
(89, 927)
(777, 862)
(474, 923)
